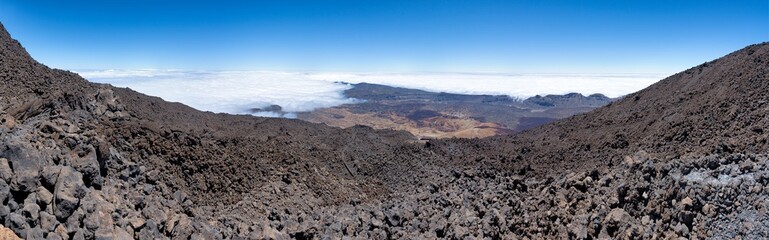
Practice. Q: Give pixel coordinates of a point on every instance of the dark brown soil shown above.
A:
(86, 161)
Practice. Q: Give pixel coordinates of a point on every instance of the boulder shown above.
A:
(44, 197)
(87, 163)
(615, 222)
(61, 231)
(99, 219)
(5, 191)
(48, 222)
(31, 212)
(4, 211)
(150, 231)
(68, 192)
(183, 228)
(153, 212)
(18, 224)
(26, 166)
(49, 176)
(79, 235)
(5, 170)
(109, 157)
(119, 233)
(709, 210)
(34, 233)
(75, 220)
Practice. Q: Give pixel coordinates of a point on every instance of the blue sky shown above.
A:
(392, 36)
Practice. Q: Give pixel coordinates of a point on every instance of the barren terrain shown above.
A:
(686, 157)
(443, 115)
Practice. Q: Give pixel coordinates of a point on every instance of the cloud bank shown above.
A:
(239, 92)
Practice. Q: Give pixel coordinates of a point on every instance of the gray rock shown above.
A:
(44, 197)
(137, 222)
(34, 233)
(5, 191)
(53, 236)
(153, 176)
(69, 189)
(154, 213)
(99, 219)
(26, 168)
(183, 228)
(79, 235)
(113, 159)
(105, 234)
(31, 213)
(170, 224)
(119, 233)
(18, 224)
(5, 170)
(50, 175)
(150, 231)
(88, 165)
(681, 229)
(206, 230)
(4, 211)
(618, 220)
(61, 231)
(112, 233)
(48, 221)
(180, 196)
(148, 189)
(74, 221)
(13, 204)
(130, 173)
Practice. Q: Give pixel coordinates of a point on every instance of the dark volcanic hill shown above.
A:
(444, 115)
(683, 158)
(718, 107)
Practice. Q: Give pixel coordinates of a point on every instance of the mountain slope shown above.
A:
(118, 139)
(717, 107)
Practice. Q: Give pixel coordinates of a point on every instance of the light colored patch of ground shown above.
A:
(445, 126)
(7, 234)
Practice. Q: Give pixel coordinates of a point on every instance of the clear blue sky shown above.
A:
(400, 36)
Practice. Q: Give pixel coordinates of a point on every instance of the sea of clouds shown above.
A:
(239, 92)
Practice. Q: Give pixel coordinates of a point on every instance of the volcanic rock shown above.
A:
(69, 190)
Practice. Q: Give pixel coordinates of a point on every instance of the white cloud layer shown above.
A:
(239, 91)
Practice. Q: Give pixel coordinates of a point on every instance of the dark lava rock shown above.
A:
(69, 189)
(87, 163)
(6, 173)
(26, 167)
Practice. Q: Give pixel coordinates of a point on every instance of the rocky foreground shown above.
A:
(715, 196)
(66, 197)
(686, 157)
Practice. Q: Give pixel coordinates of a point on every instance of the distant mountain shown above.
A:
(569, 100)
(720, 106)
(440, 115)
